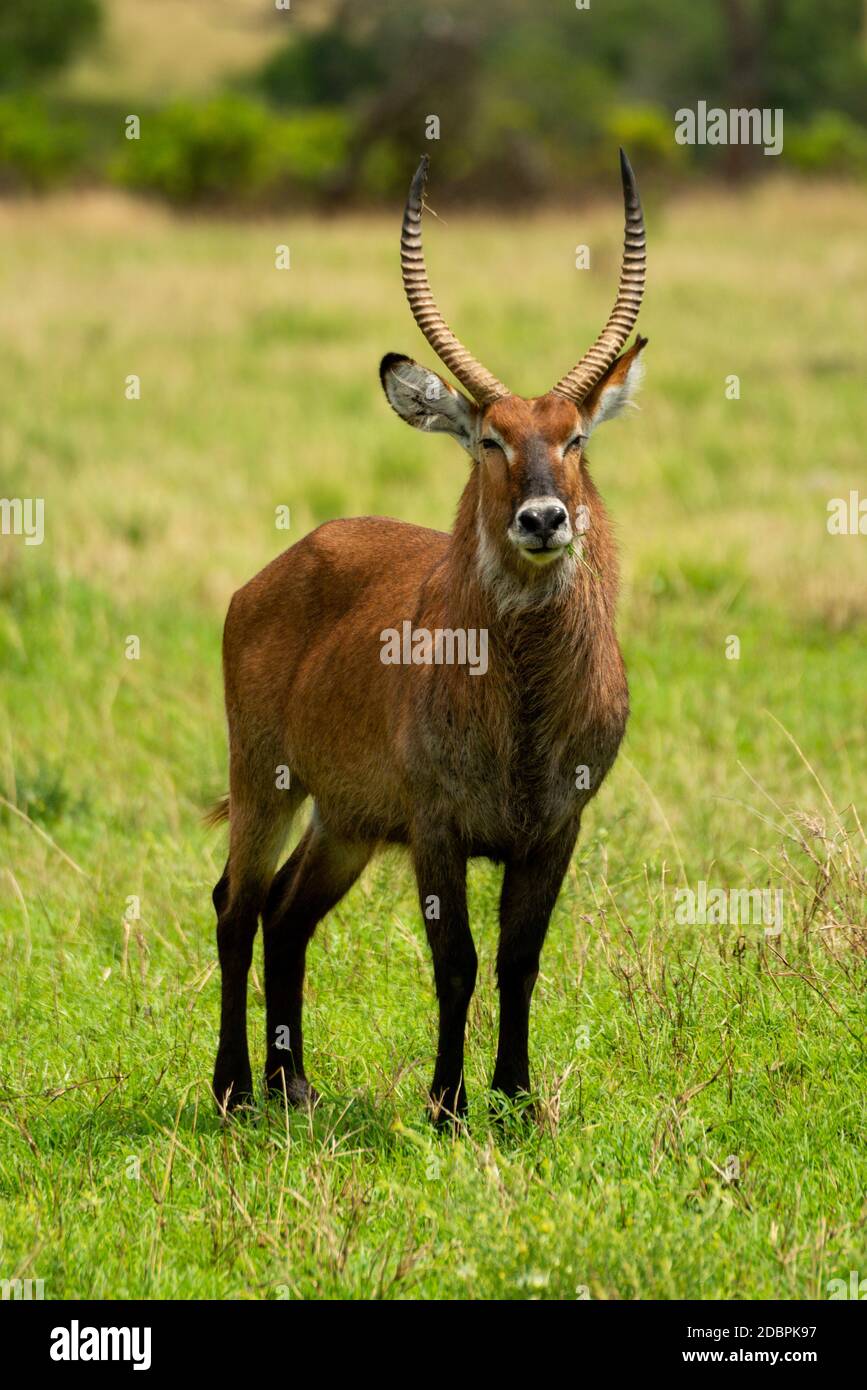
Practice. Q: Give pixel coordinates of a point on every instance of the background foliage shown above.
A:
(329, 101)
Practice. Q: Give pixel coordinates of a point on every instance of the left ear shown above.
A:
(617, 389)
(426, 402)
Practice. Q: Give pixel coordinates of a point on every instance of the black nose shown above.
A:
(542, 521)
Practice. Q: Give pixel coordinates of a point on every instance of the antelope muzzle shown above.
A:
(541, 530)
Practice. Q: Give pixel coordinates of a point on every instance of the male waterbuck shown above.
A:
(449, 757)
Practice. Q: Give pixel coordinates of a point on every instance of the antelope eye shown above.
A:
(576, 443)
(490, 444)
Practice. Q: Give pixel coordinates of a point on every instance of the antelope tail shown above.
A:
(216, 814)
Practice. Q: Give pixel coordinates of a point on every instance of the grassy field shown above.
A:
(702, 1088)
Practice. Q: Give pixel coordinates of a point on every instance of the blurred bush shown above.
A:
(310, 145)
(318, 69)
(230, 149)
(39, 36)
(36, 150)
(645, 133)
(830, 143)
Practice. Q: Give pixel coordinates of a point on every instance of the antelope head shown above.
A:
(529, 452)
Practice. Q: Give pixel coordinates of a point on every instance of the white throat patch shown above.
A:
(508, 592)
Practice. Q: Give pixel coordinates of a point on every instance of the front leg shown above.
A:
(530, 888)
(441, 874)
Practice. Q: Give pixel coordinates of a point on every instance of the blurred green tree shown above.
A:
(38, 36)
(536, 97)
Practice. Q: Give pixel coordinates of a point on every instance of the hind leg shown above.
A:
(312, 881)
(258, 828)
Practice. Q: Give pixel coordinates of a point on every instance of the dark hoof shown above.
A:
(296, 1089)
(447, 1110)
(233, 1088)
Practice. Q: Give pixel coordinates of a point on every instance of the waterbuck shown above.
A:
(442, 757)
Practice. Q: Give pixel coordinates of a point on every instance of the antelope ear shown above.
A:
(617, 389)
(425, 401)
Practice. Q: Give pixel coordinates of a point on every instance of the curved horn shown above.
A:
(595, 363)
(483, 387)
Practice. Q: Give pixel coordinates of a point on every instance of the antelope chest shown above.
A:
(509, 773)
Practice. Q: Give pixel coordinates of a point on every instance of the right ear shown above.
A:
(426, 402)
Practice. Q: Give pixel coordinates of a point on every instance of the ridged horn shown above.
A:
(482, 386)
(595, 363)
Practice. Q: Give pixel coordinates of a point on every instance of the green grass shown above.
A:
(659, 1051)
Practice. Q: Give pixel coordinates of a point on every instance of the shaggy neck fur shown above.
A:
(552, 639)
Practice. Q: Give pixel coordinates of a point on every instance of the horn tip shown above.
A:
(626, 168)
(419, 178)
